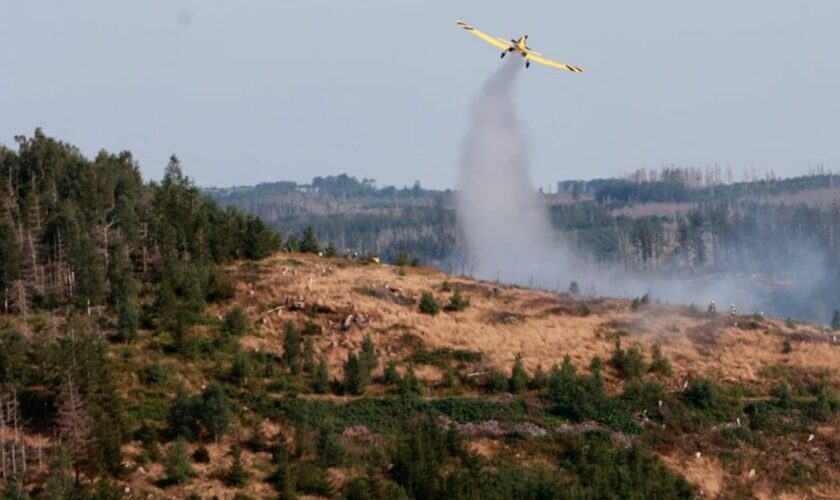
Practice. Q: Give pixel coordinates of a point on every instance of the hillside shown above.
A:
(742, 405)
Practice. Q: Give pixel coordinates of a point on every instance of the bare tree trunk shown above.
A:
(3, 441)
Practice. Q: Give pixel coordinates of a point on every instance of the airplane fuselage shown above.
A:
(521, 47)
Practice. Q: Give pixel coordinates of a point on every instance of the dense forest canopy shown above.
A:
(86, 232)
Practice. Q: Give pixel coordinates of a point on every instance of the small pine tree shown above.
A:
(659, 363)
(402, 259)
(235, 322)
(518, 378)
(428, 304)
(356, 375)
(835, 320)
(240, 369)
(391, 376)
(291, 347)
(368, 355)
(457, 302)
(496, 382)
(308, 356)
(540, 379)
(215, 410)
(309, 244)
(321, 380)
(257, 441)
(177, 463)
(293, 243)
(127, 322)
(330, 250)
(410, 384)
(574, 288)
(236, 475)
(787, 347)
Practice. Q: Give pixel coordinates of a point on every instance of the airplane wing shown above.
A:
(554, 64)
(496, 42)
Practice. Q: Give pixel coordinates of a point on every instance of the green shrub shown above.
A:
(659, 363)
(313, 480)
(330, 452)
(584, 310)
(391, 376)
(428, 304)
(410, 385)
(629, 363)
(235, 323)
(787, 348)
(201, 455)
(153, 374)
(826, 404)
(638, 302)
(703, 394)
(496, 382)
(457, 302)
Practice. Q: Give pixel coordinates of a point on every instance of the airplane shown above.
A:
(521, 47)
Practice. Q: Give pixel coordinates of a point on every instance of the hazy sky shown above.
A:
(251, 91)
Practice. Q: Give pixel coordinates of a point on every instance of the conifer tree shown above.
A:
(309, 243)
(321, 381)
(177, 462)
(292, 348)
(518, 378)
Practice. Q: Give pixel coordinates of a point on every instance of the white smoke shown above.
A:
(508, 235)
(505, 224)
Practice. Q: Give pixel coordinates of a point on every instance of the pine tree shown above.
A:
(410, 384)
(835, 320)
(309, 243)
(391, 376)
(356, 375)
(127, 322)
(321, 381)
(368, 355)
(330, 250)
(236, 475)
(518, 377)
(428, 304)
(177, 462)
(308, 356)
(457, 302)
(75, 427)
(59, 483)
(291, 347)
(215, 410)
(235, 323)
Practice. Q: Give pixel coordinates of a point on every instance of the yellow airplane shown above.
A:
(520, 47)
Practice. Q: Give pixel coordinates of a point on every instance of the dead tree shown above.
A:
(12, 442)
(75, 426)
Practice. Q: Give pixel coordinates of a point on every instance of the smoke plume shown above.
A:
(508, 235)
(505, 224)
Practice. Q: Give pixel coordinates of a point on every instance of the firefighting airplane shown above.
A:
(520, 47)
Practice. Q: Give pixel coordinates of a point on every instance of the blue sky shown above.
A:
(251, 91)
